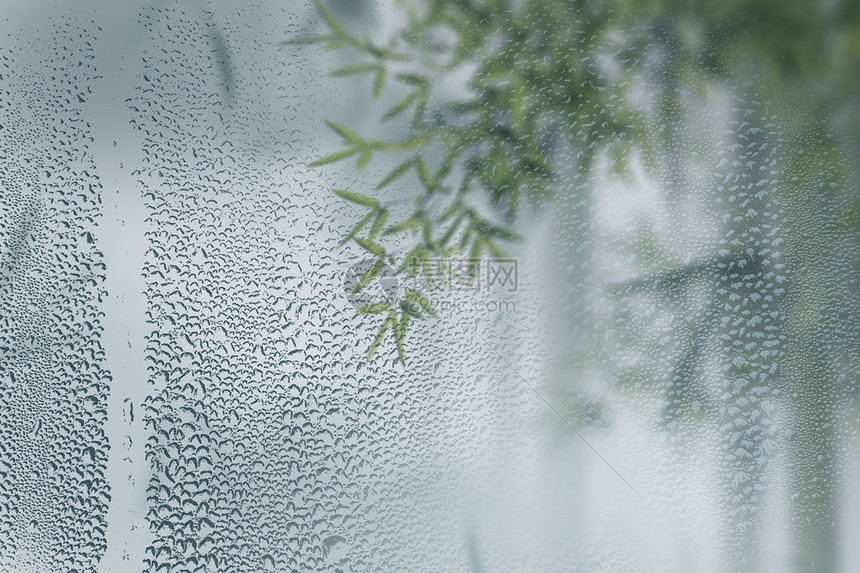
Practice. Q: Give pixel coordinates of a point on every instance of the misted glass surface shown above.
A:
(584, 298)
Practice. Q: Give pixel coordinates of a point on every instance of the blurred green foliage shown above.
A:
(538, 89)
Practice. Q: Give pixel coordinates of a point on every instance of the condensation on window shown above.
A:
(670, 386)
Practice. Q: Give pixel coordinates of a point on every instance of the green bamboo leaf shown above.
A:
(379, 82)
(374, 308)
(395, 173)
(416, 141)
(427, 228)
(380, 336)
(408, 307)
(379, 223)
(370, 246)
(356, 198)
(467, 236)
(423, 174)
(352, 70)
(423, 302)
(305, 40)
(420, 112)
(409, 223)
(400, 106)
(336, 43)
(346, 133)
(452, 209)
(400, 336)
(364, 158)
(356, 229)
(465, 106)
(371, 274)
(487, 230)
(381, 145)
(412, 259)
(447, 164)
(334, 157)
(418, 80)
(452, 229)
(328, 16)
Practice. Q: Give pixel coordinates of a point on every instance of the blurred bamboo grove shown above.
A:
(695, 166)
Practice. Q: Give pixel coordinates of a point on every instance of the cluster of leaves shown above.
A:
(498, 140)
(538, 88)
